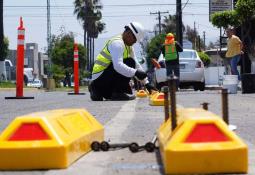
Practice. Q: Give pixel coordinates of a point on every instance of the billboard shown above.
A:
(219, 5)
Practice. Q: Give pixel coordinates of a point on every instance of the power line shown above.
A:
(107, 5)
(185, 4)
(72, 16)
(159, 18)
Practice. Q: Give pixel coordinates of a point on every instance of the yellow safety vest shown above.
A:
(104, 58)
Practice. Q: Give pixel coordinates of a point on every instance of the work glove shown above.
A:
(140, 74)
(150, 88)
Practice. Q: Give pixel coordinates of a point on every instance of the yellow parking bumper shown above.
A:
(201, 143)
(50, 139)
(157, 99)
(141, 93)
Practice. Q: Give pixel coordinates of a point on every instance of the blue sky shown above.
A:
(115, 14)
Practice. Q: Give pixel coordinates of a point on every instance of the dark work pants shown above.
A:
(173, 68)
(110, 81)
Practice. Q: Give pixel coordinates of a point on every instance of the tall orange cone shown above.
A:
(20, 60)
(76, 71)
(20, 63)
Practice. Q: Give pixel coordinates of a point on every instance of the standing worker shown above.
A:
(116, 64)
(170, 51)
(234, 51)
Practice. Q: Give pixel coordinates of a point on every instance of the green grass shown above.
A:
(82, 88)
(7, 84)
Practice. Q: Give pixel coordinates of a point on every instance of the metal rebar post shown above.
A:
(205, 106)
(224, 98)
(166, 102)
(172, 88)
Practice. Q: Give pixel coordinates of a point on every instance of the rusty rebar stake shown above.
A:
(172, 88)
(224, 98)
(166, 102)
(205, 106)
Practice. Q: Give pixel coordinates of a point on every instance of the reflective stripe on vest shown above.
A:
(170, 52)
(104, 58)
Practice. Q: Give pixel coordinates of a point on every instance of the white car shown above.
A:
(35, 84)
(191, 70)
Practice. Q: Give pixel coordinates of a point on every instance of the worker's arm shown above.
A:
(240, 43)
(116, 48)
(138, 66)
(145, 81)
(178, 47)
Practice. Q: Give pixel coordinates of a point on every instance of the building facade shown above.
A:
(33, 59)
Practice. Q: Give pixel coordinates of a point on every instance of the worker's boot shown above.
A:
(122, 96)
(93, 93)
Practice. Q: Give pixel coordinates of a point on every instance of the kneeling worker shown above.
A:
(116, 65)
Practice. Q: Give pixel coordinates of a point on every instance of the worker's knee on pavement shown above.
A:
(94, 95)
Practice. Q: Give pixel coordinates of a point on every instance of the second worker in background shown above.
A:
(170, 51)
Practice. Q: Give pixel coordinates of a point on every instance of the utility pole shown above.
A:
(49, 37)
(159, 18)
(195, 36)
(204, 40)
(179, 21)
(199, 43)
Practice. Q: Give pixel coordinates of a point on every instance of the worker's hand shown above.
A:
(150, 88)
(140, 74)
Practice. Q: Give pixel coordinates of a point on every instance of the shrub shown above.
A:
(205, 58)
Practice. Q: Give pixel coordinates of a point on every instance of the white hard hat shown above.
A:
(137, 29)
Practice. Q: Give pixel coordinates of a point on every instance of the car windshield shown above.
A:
(187, 54)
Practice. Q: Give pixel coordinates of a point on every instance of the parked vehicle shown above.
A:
(35, 84)
(191, 71)
(11, 72)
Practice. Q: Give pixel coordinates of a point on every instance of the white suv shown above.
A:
(191, 70)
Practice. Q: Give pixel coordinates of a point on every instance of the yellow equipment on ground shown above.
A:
(141, 93)
(201, 143)
(50, 139)
(157, 99)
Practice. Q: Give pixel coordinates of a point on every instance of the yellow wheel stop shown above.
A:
(50, 139)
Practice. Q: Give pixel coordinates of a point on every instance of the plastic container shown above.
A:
(230, 82)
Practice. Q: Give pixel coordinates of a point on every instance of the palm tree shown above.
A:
(88, 12)
(95, 27)
(169, 24)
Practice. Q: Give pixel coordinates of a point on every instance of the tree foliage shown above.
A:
(245, 9)
(62, 52)
(225, 19)
(2, 56)
(5, 48)
(169, 24)
(154, 47)
(244, 16)
(88, 12)
(205, 58)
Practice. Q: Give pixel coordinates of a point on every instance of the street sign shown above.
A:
(219, 5)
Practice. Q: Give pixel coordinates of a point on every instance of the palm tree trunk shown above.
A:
(88, 63)
(84, 39)
(93, 52)
(90, 55)
(2, 63)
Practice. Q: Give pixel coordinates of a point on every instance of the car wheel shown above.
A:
(25, 80)
(196, 87)
(202, 86)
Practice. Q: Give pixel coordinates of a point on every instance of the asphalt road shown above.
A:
(132, 121)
